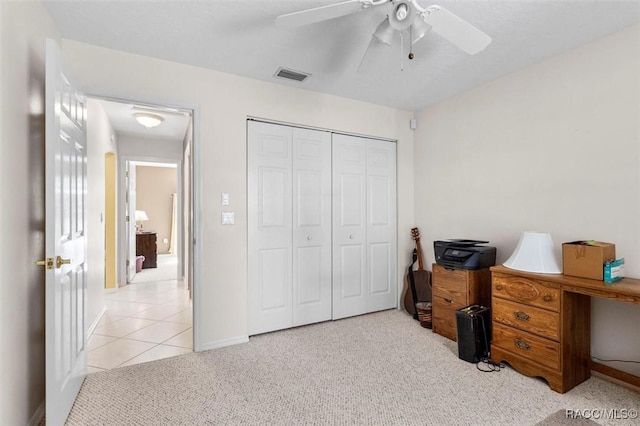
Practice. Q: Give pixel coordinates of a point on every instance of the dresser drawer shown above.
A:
(451, 285)
(444, 317)
(524, 290)
(537, 349)
(527, 318)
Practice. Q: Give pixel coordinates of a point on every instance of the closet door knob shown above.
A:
(351, 236)
(308, 237)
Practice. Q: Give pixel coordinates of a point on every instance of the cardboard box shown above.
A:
(586, 259)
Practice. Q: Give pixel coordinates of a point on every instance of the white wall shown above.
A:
(101, 139)
(23, 29)
(223, 103)
(136, 146)
(552, 148)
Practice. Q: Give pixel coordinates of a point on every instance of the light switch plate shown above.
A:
(225, 199)
(228, 218)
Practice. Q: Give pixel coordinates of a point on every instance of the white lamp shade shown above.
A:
(384, 33)
(419, 28)
(534, 253)
(141, 215)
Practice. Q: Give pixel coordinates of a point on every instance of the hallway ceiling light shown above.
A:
(148, 120)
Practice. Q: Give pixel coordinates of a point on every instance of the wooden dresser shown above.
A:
(454, 289)
(539, 329)
(147, 246)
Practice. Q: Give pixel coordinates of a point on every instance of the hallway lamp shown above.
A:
(534, 253)
(141, 216)
(148, 120)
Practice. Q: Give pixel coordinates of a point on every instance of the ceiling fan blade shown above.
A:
(319, 14)
(456, 30)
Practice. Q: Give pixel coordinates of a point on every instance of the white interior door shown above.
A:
(65, 227)
(349, 226)
(269, 227)
(381, 226)
(311, 226)
(130, 198)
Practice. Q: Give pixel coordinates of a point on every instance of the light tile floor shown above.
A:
(143, 322)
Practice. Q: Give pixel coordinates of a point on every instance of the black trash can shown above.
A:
(474, 332)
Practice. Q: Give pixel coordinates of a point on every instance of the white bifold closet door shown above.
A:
(289, 221)
(364, 225)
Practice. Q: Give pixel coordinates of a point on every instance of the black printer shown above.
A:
(464, 254)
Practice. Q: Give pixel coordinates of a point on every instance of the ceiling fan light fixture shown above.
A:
(148, 120)
(384, 33)
(419, 28)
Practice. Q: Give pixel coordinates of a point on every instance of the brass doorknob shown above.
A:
(60, 261)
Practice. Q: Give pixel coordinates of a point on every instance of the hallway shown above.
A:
(144, 321)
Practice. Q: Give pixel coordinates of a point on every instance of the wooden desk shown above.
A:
(542, 322)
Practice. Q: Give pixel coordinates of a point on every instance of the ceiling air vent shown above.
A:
(291, 74)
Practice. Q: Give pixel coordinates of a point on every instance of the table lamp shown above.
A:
(534, 253)
(141, 216)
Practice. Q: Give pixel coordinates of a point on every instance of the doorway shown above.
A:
(148, 314)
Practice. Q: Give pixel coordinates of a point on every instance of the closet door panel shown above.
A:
(269, 227)
(311, 226)
(352, 257)
(273, 276)
(349, 226)
(381, 225)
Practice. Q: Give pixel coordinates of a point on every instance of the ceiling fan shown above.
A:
(405, 16)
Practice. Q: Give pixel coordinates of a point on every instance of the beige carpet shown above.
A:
(560, 418)
(377, 369)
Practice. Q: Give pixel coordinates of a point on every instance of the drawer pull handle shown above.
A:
(499, 287)
(547, 298)
(449, 301)
(522, 344)
(449, 269)
(521, 316)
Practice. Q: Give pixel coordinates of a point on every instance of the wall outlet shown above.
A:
(165, 240)
(225, 199)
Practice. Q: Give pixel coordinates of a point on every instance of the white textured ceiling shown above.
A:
(240, 37)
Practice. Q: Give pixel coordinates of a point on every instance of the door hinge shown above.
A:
(126, 174)
(127, 218)
(128, 263)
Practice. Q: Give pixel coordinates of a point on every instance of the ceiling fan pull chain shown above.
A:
(411, 42)
(401, 50)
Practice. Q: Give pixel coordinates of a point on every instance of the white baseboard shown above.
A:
(223, 342)
(37, 416)
(93, 326)
(110, 290)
